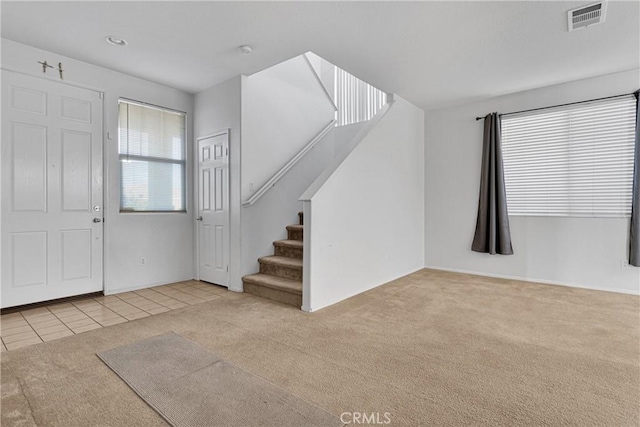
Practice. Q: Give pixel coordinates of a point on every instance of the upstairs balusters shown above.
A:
(356, 100)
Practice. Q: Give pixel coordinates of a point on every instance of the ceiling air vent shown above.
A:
(586, 15)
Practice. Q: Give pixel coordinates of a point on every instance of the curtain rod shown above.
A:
(562, 105)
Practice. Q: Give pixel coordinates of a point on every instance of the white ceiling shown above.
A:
(431, 53)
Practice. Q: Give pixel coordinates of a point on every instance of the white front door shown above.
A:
(51, 190)
(213, 208)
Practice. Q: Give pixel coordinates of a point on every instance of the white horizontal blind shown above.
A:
(356, 100)
(152, 158)
(571, 161)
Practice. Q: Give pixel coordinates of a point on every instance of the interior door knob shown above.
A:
(97, 220)
(199, 218)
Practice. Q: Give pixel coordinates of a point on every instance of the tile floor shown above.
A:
(55, 321)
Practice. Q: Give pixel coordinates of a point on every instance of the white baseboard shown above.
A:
(533, 280)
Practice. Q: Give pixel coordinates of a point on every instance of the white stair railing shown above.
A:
(284, 169)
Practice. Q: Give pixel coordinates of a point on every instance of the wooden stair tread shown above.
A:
(281, 261)
(289, 243)
(280, 276)
(273, 282)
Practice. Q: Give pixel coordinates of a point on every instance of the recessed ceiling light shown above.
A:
(246, 49)
(116, 41)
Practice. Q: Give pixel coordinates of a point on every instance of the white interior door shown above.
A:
(51, 190)
(213, 209)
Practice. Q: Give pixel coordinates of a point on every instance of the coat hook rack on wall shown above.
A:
(45, 65)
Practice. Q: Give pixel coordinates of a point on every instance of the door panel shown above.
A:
(206, 189)
(219, 189)
(76, 171)
(52, 170)
(219, 250)
(213, 209)
(207, 246)
(29, 256)
(76, 254)
(29, 166)
(75, 109)
(29, 100)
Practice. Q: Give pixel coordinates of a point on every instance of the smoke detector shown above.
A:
(584, 16)
(246, 49)
(116, 41)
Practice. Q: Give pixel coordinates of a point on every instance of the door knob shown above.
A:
(97, 220)
(199, 218)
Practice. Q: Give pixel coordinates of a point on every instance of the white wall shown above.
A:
(165, 240)
(364, 217)
(325, 71)
(584, 252)
(283, 108)
(265, 222)
(216, 109)
(254, 228)
(343, 135)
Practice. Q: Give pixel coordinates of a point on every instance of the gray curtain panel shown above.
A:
(492, 226)
(634, 236)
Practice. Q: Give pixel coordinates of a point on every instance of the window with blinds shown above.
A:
(571, 161)
(152, 158)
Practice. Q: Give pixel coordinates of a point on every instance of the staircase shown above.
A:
(280, 276)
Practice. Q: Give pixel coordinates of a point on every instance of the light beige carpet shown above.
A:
(190, 386)
(431, 349)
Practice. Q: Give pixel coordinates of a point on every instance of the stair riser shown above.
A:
(288, 252)
(273, 294)
(294, 234)
(281, 271)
